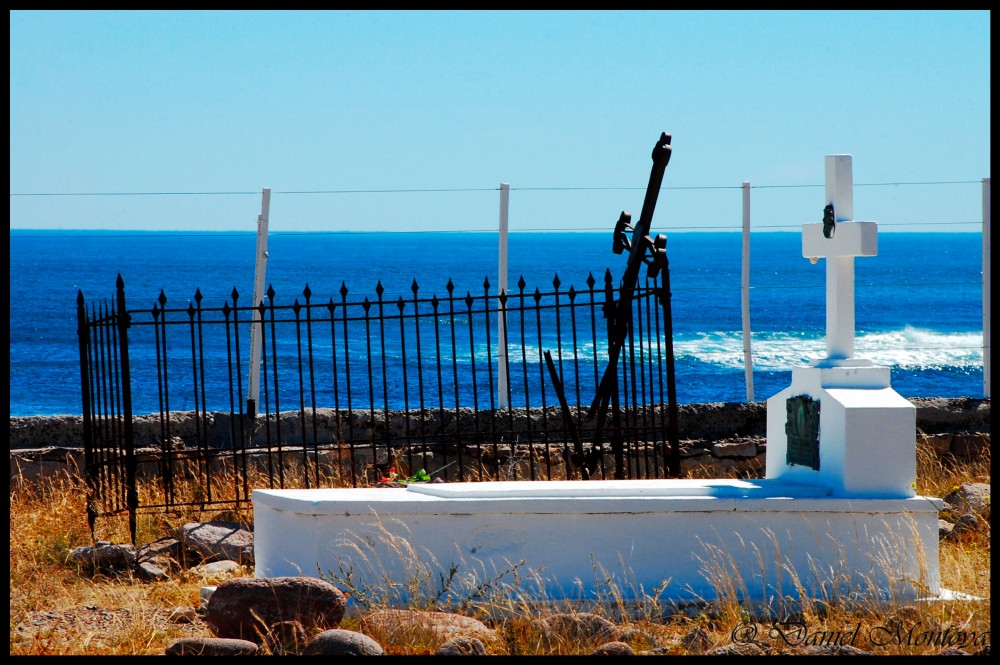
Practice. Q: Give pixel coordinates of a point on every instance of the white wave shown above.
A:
(910, 348)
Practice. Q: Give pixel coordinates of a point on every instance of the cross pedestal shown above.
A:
(840, 424)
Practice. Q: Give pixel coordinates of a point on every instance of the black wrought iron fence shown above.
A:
(352, 389)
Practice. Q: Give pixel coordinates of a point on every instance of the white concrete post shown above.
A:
(745, 294)
(986, 288)
(260, 270)
(502, 288)
(849, 239)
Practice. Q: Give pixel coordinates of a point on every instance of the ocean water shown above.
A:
(918, 302)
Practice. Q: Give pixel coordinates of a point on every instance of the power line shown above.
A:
(879, 184)
(481, 189)
(255, 193)
(132, 193)
(95, 234)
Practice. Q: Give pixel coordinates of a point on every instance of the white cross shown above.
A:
(849, 239)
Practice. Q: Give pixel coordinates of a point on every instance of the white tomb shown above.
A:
(844, 520)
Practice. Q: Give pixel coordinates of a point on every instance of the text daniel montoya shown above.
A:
(797, 633)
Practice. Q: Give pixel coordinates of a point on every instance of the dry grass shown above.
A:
(56, 609)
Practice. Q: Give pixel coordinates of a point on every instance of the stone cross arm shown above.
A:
(851, 239)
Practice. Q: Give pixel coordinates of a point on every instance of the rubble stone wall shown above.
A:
(699, 422)
(717, 440)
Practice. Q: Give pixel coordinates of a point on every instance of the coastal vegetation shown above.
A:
(56, 608)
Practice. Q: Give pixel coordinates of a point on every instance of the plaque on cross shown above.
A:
(839, 243)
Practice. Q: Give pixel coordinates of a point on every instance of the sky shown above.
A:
(383, 121)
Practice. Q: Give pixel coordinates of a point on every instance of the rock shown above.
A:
(245, 608)
(462, 646)
(901, 620)
(970, 498)
(657, 651)
(401, 626)
(970, 446)
(833, 650)
(286, 638)
(43, 431)
(945, 529)
(33, 465)
(218, 568)
(940, 414)
(152, 571)
(697, 640)
(639, 638)
(613, 649)
(183, 615)
(159, 559)
(939, 443)
(721, 466)
(750, 467)
(211, 646)
(338, 642)
(735, 449)
(105, 557)
(749, 649)
(718, 419)
(952, 651)
(695, 462)
(167, 548)
(577, 628)
(218, 540)
(968, 523)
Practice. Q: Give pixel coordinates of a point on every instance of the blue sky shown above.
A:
(183, 117)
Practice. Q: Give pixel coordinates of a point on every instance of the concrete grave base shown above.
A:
(867, 433)
(675, 540)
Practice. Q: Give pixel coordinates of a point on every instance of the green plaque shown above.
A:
(802, 431)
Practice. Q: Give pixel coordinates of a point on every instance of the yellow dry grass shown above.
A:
(56, 609)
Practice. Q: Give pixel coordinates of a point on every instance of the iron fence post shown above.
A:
(617, 447)
(668, 334)
(132, 494)
(89, 469)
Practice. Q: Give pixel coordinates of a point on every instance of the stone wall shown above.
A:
(717, 440)
(697, 422)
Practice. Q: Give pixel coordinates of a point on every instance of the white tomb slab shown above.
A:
(642, 535)
(847, 523)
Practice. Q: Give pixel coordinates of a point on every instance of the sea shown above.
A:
(918, 302)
